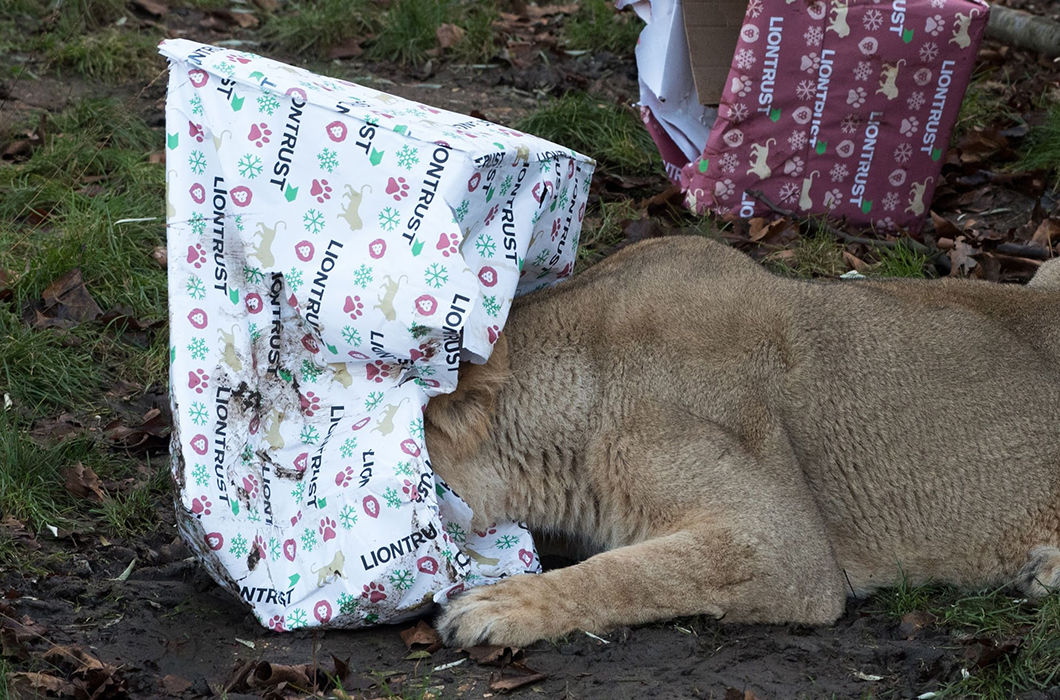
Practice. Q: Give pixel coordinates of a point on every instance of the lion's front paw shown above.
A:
(515, 612)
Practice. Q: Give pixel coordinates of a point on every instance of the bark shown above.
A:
(1024, 30)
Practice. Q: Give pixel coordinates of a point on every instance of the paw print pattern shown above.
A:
(555, 228)
(327, 529)
(276, 623)
(295, 518)
(397, 188)
(196, 255)
(259, 134)
(354, 307)
(310, 403)
(491, 213)
(856, 97)
(344, 478)
(321, 190)
(250, 485)
(200, 506)
(374, 592)
(411, 491)
(196, 131)
(198, 380)
(377, 371)
(447, 243)
(490, 530)
(259, 545)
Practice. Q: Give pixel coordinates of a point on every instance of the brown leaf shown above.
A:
(33, 684)
(160, 256)
(944, 228)
(915, 621)
(268, 675)
(856, 263)
(15, 530)
(422, 636)
(1047, 233)
(449, 35)
(152, 7)
(487, 655)
(986, 652)
(82, 482)
(153, 431)
(351, 48)
(175, 685)
(504, 684)
(961, 257)
(66, 303)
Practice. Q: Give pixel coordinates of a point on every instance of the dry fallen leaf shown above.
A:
(1047, 233)
(65, 303)
(82, 482)
(449, 35)
(508, 683)
(422, 636)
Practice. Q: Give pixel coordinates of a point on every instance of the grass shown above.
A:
(610, 133)
(318, 26)
(597, 26)
(985, 103)
(1041, 151)
(900, 261)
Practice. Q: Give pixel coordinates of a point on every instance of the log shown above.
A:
(1023, 30)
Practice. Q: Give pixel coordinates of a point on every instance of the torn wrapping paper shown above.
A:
(334, 253)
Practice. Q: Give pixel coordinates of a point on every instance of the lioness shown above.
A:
(753, 447)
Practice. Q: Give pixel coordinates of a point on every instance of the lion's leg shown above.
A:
(750, 552)
(1040, 576)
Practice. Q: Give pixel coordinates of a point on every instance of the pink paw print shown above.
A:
(259, 544)
(411, 491)
(196, 255)
(555, 229)
(327, 529)
(321, 190)
(276, 623)
(295, 518)
(196, 131)
(377, 371)
(197, 380)
(397, 188)
(491, 213)
(493, 332)
(344, 478)
(374, 592)
(354, 307)
(490, 530)
(259, 134)
(310, 403)
(250, 485)
(447, 243)
(200, 506)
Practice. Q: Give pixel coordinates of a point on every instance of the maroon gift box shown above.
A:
(838, 108)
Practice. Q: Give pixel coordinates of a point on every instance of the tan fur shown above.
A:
(754, 447)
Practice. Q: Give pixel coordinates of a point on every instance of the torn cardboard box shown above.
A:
(334, 253)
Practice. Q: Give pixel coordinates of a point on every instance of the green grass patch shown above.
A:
(900, 261)
(318, 26)
(112, 55)
(985, 104)
(603, 229)
(1041, 151)
(815, 255)
(610, 133)
(409, 30)
(598, 26)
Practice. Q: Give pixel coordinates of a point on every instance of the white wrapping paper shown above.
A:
(333, 254)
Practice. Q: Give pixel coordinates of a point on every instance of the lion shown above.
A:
(756, 448)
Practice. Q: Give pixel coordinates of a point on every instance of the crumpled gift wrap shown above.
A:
(334, 252)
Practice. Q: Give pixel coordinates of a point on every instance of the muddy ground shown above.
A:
(166, 629)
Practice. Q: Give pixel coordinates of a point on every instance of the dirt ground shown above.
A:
(168, 630)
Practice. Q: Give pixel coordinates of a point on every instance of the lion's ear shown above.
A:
(461, 420)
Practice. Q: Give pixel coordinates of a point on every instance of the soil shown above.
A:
(166, 629)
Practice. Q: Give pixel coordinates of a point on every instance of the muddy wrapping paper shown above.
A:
(843, 108)
(334, 252)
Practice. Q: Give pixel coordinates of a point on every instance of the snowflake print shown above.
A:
(347, 516)
(249, 166)
(754, 8)
(745, 58)
(491, 305)
(348, 446)
(832, 198)
(436, 275)
(390, 495)
(401, 579)
(253, 275)
(309, 539)
(416, 428)
(485, 246)
(929, 52)
(201, 475)
(198, 349)
(328, 159)
(541, 257)
(226, 68)
(198, 413)
(197, 162)
(195, 287)
(872, 20)
(789, 192)
(294, 279)
(240, 222)
(408, 157)
(253, 515)
(737, 112)
(274, 548)
(239, 546)
(903, 153)
(456, 533)
(850, 123)
(506, 542)
(350, 335)
(890, 201)
(797, 140)
(729, 162)
(310, 371)
(373, 400)
(296, 619)
(915, 100)
(309, 435)
(363, 276)
(404, 468)
(863, 71)
(389, 218)
(806, 89)
(506, 184)
(298, 492)
(197, 223)
(838, 172)
(267, 104)
(814, 36)
(347, 604)
(461, 211)
(255, 331)
(313, 220)
(196, 105)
